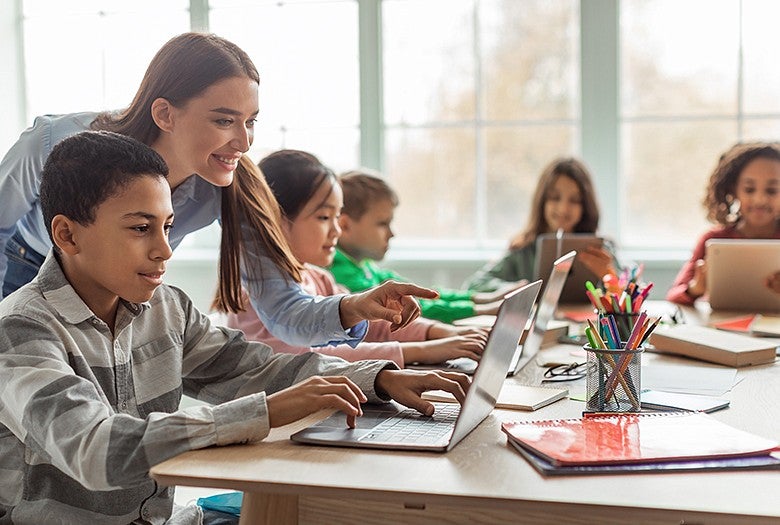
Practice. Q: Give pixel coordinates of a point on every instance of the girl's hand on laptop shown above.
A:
(406, 386)
(313, 395)
(442, 330)
(773, 282)
(440, 350)
(498, 295)
(487, 308)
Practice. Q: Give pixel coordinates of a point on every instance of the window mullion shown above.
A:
(599, 69)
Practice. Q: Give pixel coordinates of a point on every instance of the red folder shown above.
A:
(634, 438)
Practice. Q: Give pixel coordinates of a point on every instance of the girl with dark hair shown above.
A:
(565, 200)
(311, 199)
(196, 106)
(743, 199)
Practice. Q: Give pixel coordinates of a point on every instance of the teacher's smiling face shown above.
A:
(209, 133)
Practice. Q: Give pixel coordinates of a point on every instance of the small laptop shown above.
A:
(736, 270)
(551, 246)
(545, 312)
(392, 426)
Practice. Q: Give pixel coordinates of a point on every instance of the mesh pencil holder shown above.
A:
(613, 381)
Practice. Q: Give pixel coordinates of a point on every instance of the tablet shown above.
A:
(550, 247)
(736, 270)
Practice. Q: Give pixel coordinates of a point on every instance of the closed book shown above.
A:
(635, 438)
(512, 396)
(766, 326)
(715, 346)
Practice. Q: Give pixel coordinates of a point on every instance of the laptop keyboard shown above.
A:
(409, 426)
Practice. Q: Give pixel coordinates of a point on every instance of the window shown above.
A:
(307, 56)
(459, 103)
(476, 103)
(87, 55)
(695, 78)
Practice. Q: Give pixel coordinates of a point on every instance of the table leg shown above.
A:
(269, 509)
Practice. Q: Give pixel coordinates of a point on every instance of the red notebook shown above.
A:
(634, 438)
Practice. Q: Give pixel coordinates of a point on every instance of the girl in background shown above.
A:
(311, 199)
(565, 200)
(743, 199)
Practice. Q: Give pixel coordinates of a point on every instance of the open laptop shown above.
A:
(545, 312)
(392, 426)
(736, 270)
(551, 246)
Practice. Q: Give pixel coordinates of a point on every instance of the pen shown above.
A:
(646, 290)
(649, 330)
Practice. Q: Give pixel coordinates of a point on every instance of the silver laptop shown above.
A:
(736, 270)
(545, 312)
(551, 246)
(392, 426)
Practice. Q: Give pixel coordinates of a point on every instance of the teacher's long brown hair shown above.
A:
(248, 201)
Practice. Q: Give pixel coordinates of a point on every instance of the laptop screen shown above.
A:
(491, 372)
(545, 311)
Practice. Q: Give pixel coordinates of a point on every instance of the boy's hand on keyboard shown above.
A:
(313, 395)
(406, 386)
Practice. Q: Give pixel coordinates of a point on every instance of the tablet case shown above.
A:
(549, 248)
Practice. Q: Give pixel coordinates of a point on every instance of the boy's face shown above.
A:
(314, 232)
(368, 237)
(123, 252)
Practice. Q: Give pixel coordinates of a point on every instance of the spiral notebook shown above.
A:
(768, 462)
(635, 438)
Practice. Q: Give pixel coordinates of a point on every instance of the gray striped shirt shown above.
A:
(84, 414)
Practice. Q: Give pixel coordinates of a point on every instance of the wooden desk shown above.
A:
(483, 480)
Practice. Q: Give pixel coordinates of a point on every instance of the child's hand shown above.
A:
(697, 286)
(390, 301)
(312, 395)
(442, 330)
(773, 282)
(597, 260)
(406, 386)
(498, 295)
(440, 350)
(488, 308)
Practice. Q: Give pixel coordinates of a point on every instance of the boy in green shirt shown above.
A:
(369, 204)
